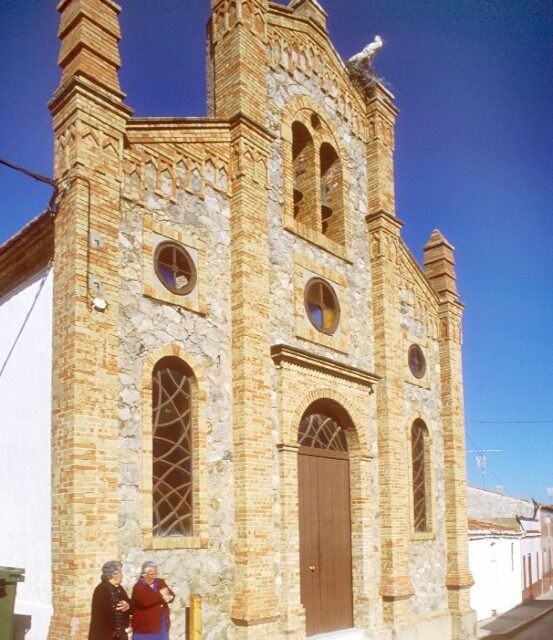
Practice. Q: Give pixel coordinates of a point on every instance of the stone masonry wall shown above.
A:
(284, 246)
(145, 326)
(428, 556)
(422, 400)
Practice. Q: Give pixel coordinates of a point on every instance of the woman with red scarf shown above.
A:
(151, 597)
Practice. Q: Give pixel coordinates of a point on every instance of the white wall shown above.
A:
(531, 544)
(25, 421)
(495, 565)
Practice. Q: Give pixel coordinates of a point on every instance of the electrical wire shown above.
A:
(510, 421)
(21, 329)
(39, 178)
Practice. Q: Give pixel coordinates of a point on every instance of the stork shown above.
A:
(368, 53)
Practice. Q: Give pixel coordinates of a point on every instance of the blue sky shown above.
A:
(473, 80)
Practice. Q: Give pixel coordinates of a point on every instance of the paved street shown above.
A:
(540, 630)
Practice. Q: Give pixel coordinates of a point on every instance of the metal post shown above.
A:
(195, 617)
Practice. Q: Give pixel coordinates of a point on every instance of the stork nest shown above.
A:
(364, 77)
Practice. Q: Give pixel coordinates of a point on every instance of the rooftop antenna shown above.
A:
(482, 461)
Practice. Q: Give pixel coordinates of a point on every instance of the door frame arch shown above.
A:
(363, 505)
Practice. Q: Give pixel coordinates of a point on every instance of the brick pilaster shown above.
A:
(440, 271)
(89, 121)
(381, 116)
(255, 609)
(237, 51)
(395, 587)
(238, 32)
(384, 233)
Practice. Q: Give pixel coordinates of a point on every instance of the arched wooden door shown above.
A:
(325, 525)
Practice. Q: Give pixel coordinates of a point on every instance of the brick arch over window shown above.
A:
(323, 426)
(421, 485)
(331, 403)
(173, 446)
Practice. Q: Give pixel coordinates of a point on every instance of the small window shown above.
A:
(172, 448)
(175, 268)
(322, 306)
(417, 361)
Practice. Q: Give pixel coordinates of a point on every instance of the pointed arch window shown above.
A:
(172, 468)
(420, 460)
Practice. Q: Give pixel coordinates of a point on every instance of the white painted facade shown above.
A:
(531, 561)
(25, 486)
(494, 560)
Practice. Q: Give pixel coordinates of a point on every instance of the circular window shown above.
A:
(417, 361)
(322, 305)
(175, 268)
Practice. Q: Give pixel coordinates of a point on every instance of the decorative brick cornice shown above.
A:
(384, 219)
(282, 353)
(240, 122)
(84, 85)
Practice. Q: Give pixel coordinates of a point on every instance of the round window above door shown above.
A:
(417, 361)
(322, 306)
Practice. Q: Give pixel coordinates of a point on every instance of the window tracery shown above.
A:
(420, 476)
(172, 481)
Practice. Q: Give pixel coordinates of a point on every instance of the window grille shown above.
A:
(418, 434)
(172, 449)
(322, 432)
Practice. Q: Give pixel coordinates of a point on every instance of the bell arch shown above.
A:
(316, 178)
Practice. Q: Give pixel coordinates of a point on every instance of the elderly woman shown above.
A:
(151, 597)
(109, 617)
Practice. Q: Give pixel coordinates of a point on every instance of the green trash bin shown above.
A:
(9, 577)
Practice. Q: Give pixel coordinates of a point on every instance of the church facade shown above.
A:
(254, 383)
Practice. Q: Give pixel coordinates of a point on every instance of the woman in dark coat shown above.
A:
(111, 606)
(151, 597)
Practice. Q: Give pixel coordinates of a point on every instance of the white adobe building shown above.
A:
(494, 558)
(505, 553)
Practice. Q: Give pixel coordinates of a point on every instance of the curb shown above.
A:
(519, 627)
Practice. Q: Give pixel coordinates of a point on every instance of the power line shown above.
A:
(510, 421)
(39, 178)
